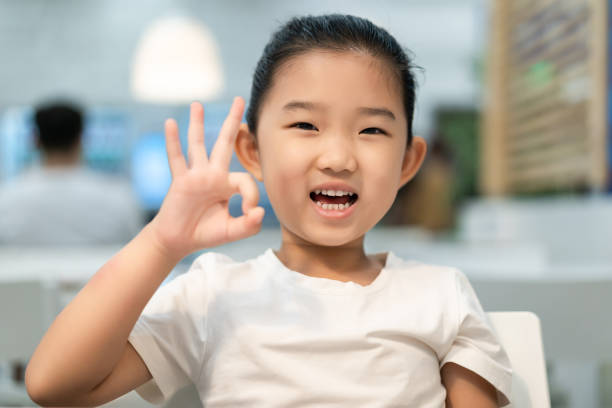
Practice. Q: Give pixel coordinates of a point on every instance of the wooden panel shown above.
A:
(494, 121)
(545, 117)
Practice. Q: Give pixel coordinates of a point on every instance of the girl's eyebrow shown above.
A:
(295, 105)
(376, 112)
(364, 110)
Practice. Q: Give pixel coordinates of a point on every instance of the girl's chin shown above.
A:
(328, 238)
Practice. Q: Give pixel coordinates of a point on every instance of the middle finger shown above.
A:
(196, 150)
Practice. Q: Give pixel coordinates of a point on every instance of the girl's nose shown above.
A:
(337, 155)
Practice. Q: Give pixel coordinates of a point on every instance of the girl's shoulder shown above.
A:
(224, 271)
(434, 283)
(416, 269)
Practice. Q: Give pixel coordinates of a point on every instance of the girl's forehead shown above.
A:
(332, 74)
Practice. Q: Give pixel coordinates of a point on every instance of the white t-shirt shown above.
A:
(257, 334)
(68, 206)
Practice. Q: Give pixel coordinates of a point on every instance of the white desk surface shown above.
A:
(481, 261)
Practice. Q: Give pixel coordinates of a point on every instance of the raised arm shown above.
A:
(85, 358)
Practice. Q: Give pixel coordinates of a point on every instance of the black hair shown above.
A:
(333, 32)
(59, 125)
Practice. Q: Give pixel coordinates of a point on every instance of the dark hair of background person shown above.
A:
(59, 125)
(332, 32)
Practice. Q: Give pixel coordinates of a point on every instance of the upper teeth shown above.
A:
(332, 193)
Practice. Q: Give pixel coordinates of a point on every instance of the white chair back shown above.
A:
(521, 336)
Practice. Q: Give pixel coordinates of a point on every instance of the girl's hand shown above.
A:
(194, 214)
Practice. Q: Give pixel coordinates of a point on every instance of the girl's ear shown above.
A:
(413, 159)
(247, 152)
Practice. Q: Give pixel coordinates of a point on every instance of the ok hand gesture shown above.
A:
(194, 214)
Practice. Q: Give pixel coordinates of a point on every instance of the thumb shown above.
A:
(256, 215)
(245, 225)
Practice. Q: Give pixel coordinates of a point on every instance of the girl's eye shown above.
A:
(374, 130)
(304, 126)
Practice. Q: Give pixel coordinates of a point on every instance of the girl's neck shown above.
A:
(344, 263)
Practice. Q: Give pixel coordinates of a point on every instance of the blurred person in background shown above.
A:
(61, 202)
(428, 202)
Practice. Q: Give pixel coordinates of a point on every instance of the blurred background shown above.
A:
(512, 99)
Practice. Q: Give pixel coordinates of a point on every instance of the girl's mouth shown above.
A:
(333, 199)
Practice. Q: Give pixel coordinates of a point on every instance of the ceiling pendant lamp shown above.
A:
(176, 61)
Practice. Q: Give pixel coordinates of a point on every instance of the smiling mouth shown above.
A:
(333, 199)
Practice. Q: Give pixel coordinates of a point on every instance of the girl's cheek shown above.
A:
(385, 173)
(284, 172)
(293, 158)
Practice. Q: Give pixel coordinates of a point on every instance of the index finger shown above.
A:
(222, 151)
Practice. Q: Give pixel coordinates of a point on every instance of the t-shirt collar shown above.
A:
(325, 285)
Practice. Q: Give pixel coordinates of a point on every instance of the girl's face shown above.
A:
(331, 146)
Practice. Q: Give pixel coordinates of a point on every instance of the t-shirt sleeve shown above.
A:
(170, 335)
(476, 346)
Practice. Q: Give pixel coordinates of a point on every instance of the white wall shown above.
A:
(83, 48)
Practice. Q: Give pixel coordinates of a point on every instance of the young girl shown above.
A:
(316, 323)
